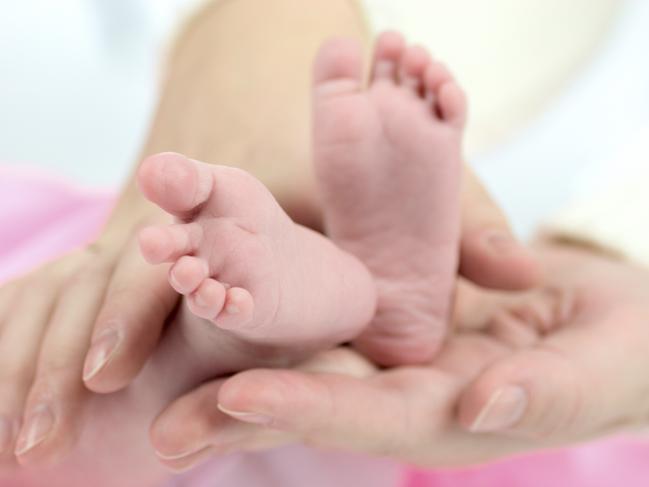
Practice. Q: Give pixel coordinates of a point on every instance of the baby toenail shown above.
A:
(201, 301)
(38, 425)
(101, 352)
(232, 309)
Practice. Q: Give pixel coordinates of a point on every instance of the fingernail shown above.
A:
(103, 348)
(178, 456)
(7, 431)
(504, 409)
(247, 417)
(38, 425)
(501, 242)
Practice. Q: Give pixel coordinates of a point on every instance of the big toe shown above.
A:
(338, 66)
(175, 183)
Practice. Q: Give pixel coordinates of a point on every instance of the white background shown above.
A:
(78, 83)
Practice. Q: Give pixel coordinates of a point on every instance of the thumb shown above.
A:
(490, 255)
(535, 393)
(326, 410)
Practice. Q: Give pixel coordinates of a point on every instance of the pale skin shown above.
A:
(367, 161)
(388, 161)
(247, 269)
(576, 347)
(534, 367)
(108, 284)
(114, 286)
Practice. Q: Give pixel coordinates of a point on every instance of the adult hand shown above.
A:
(48, 318)
(587, 376)
(550, 367)
(107, 296)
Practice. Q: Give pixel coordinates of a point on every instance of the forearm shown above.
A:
(237, 93)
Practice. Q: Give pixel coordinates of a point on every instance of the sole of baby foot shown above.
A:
(388, 161)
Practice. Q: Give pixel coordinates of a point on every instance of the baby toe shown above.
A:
(435, 75)
(208, 300)
(187, 274)
(389, 48)
(413, 67)
(445, 96)
(451, 104)
(160, 244)
(238, 309)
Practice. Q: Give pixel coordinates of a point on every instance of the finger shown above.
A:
(137, 304)
(490, 254)
(186, 463)
(405, 414)
(566, 388)
(525, 401)
(25, 326)
(328, 410)
(54, 412)
(499, 312)
(180, 431)
(7, 300)
(193, 423)
(252, 439)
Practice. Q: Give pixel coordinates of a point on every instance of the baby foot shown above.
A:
(244, 266)
(388, 160)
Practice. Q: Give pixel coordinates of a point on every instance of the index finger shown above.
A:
(490, 254)
(137, 304)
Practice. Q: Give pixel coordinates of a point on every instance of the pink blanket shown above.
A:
(42, 217)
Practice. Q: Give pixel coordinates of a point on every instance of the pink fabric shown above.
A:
(602, 464)
(294, 467)
(42, 217)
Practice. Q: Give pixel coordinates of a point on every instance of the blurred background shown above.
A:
(556, 86)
